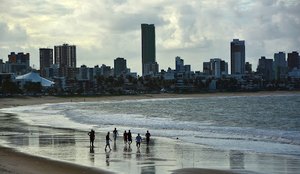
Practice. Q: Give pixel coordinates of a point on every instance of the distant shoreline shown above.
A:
(7, 102)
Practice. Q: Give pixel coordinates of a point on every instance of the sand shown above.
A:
(164, 156)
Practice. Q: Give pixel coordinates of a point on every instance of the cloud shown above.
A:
(12, 34)
(196, 30)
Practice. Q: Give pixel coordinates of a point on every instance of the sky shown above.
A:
(195, 30)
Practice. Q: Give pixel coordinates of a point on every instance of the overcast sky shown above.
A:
(195, 30)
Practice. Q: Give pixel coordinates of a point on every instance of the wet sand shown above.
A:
(68, 151)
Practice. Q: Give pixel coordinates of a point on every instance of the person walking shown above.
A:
(138, 140)
(92, 137)
(129, 137)
(107, 141)
(125, 137)
(115, 132)
(148, 137)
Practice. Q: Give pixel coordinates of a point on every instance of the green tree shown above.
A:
(10, 87)
(33, 87)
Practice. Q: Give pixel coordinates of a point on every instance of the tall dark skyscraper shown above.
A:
(237, 55)
(46, 59)
(120, 66)
(65, 55)
(149, 64)
(293, 60)
(265, 68)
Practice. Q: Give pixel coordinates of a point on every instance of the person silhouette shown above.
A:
(92, 137)
(115, 134)
(138, 140)
(107, 141)
(148, 137)
(129, 137)
(125, 137)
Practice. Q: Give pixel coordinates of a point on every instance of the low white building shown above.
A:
(33, 77)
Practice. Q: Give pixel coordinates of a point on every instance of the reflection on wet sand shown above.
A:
(107, 155)
(115, 146)
(92, 155)
(236, 160)
(161, 156)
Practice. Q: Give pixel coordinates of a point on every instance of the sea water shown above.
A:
(259, 124)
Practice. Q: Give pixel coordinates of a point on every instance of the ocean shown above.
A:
(253, 124)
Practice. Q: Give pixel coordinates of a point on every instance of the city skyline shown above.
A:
(195, 30)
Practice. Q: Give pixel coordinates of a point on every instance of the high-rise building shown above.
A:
(237, 53)
(265, 68)
(65, 57)
(149, 64)
(46, 60)
(120, 66)
(293, 60)
(215, 67)
(179, 64)
(18, 63)
(280, 65)
(248, 68)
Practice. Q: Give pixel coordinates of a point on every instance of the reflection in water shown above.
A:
(148, 170)
(115, 146)
(107, 155)
(127, 152)
(149, 166)
(138, 154)
(236, 160)
(92, 154)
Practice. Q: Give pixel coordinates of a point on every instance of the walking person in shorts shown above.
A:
(92, 137)
(138, 140)
(107, 141)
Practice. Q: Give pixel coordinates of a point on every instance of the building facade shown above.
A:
(46, 60)
(215, 67)
(17, 63)
(237, 53)
(265, 68)
(65, 57)
(280, 65)
(120, 66)
(293, 60)
(179, 64)
(149, 64)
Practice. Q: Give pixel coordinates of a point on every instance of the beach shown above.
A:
(50, 150)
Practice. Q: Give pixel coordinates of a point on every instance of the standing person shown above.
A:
(129, 136)
(148, 137)
(115, 132)
(107, 141)
(125, 136)
(138, 140)
(92, 137)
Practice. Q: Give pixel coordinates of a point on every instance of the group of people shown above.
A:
(127, 136)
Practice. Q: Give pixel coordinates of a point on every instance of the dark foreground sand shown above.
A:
(67, 151)
(20, 163)
(12, 162)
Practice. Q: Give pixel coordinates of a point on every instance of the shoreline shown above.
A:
(35, 164)
(28, 100)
